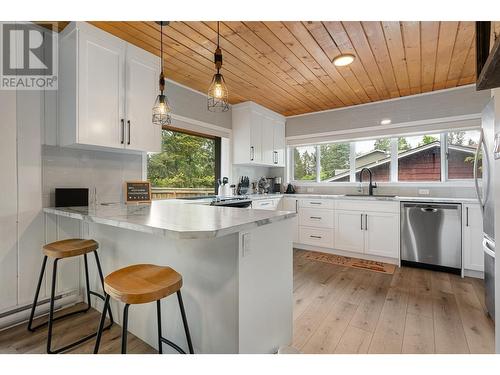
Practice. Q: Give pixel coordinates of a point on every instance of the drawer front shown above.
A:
(367, 205)
(316, 217)
(316, 236)
(317, 203)
(265, 204)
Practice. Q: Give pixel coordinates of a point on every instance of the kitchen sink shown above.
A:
(367, 195)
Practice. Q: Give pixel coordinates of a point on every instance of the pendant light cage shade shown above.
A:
(162, 112)
(218, 94)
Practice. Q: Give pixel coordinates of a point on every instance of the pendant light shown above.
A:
(217, 92)
(162, 113)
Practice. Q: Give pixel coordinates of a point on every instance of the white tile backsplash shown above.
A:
(442, 191)
(105, 171)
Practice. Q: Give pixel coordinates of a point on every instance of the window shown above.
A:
(334, 162)
(461, 151)
(419, 158)
(428, 157)
(305, 163)
(188, 165)
(376, 155)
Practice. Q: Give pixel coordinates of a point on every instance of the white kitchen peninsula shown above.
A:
(236, 266)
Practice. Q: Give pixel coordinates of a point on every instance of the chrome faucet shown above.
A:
(372, 185)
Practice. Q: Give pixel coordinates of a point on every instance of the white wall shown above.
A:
(420, 109)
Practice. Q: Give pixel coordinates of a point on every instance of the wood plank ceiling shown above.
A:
(287, 66)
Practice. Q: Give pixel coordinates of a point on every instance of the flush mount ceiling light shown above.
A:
(217, 92)
(343, 59)
(162, 113)
(385, 121)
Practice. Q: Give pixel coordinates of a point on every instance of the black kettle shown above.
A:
(290, 189)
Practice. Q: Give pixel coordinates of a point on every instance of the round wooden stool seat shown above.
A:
(142, 283)
(69, 248)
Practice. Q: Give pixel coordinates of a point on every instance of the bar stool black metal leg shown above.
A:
(184, 321)
(158, 314)
(99, 269)
(35, 301)
(124, 328)
(51, 310)
(89, 303)
(101, 325)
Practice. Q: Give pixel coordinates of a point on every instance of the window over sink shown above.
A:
(424, 157)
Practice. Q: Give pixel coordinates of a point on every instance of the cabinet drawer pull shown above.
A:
(319, 237)
(315, 217)
(318, 203)
(265, 204)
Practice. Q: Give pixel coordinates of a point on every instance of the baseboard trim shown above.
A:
(20, 314)
(474, 274)
(346, 253)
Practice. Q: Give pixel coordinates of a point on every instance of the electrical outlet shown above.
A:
(245, 244)
(423, 191)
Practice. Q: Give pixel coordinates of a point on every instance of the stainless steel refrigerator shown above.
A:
(484, 160)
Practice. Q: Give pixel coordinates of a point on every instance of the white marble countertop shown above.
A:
(174, 219)
(390, 199)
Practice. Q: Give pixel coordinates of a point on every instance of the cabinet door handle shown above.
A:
(361, 221)
(315, 217)
(366, 221)
(128, 131)
(466, 216)
(122, 131)
(315, 236)
(251, 153)
(275, 157)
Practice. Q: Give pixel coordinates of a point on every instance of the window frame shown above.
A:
(394, 167)
(217, 148)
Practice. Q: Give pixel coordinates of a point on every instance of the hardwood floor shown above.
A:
(336, 310)
(19, 340)
(345, 310)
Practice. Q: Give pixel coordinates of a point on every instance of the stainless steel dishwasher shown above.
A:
(431, 235)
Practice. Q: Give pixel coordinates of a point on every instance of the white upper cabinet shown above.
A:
(279, 143)
(141, 80)
(258, 135)
(107, 88)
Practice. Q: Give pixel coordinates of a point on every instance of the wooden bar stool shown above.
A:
(143, 283)
(60, 250)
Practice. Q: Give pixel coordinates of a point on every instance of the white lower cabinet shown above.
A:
(372, 233)
(349, 231)
(314, 217)
(266, 204)
(472, 238)
(382, 234)
(322, 237)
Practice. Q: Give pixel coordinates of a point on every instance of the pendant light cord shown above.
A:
(161, 46)
(218, 34)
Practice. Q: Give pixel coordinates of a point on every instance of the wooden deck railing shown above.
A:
(172, 193)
